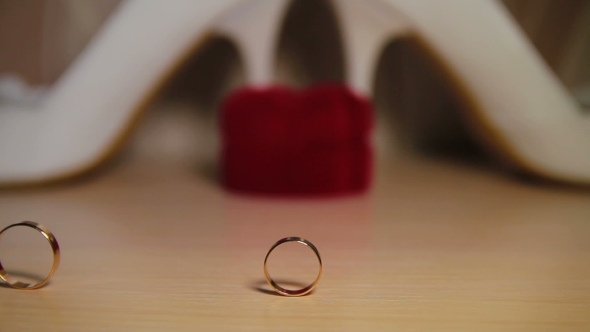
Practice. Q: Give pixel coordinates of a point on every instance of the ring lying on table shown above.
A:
(56, 256)
(297, 292)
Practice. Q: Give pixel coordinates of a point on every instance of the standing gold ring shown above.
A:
(297, 292)
(56, 256)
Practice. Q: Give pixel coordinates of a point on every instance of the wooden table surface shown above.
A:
(434, 246)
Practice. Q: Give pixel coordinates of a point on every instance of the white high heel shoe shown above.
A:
(522, 107)
(519, 105)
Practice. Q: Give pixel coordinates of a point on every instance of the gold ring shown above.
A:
(56, 256)
(297, 292)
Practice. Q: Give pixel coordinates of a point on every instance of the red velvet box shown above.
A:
(315, 141)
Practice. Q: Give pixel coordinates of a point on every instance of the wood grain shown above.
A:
(435, 246)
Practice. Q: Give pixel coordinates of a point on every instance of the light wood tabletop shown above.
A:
(434, 246)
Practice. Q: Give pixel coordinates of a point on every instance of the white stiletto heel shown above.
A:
(367, 26)
(255, 26)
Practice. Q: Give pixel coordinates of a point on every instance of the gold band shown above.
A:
(56, 256)
(297, 292)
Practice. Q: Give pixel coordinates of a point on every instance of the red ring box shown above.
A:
(314, 141)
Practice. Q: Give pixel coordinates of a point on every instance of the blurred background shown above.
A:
(40, 38)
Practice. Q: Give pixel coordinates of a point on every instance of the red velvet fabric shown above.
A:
(315, 141)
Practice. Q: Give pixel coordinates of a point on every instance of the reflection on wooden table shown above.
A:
(434, 246)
